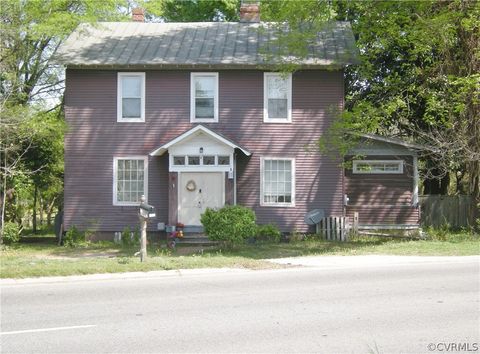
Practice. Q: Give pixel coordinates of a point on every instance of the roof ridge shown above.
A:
(197, 44)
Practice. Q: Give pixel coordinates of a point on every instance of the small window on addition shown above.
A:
(378, 167)
(194, 160)
(224, 160)
(209, 160)
(179, 160)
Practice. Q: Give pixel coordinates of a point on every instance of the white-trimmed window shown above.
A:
(204, 97)
(131, 97)
(203, 160)
(130, 179)
(378, 166)
(277, 98)
(277, 181)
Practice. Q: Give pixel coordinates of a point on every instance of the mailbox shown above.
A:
(147, 211)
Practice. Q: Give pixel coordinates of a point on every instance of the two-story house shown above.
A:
(192, 116)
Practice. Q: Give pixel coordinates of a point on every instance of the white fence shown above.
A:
(334, 228)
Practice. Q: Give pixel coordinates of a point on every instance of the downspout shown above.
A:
(415, 181)
(234, 178)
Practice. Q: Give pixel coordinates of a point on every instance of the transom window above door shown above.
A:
(131, 97)
(204, 97)
(204, 160)
(277, 105)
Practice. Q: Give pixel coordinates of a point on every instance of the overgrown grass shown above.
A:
(455, 244)
(47, 259)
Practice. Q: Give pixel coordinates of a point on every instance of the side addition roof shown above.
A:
(381, 145)
(395, 141)
(196, 45)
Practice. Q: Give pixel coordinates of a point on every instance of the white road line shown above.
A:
(46, 329)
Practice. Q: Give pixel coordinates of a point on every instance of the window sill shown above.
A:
(277, 121)
(130, 120)
(207, 120)
(278, 205)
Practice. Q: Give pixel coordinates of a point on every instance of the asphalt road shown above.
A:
(378, 307)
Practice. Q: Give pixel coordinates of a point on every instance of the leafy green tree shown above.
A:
(45, 160)
(418, 78)
(30, 83)
(194, 10)
(32, 31)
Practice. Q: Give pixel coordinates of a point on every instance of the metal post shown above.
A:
(143, 216)
(143, 239)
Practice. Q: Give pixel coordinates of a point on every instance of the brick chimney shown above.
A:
(250, 11)
(138, 15)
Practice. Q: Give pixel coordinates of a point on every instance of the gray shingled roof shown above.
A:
(194, 44)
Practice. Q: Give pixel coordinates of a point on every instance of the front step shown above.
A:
(196, 239)
(193, 229)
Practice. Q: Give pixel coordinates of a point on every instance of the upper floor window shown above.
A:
(204, 97)
(131, 97)
(129, 180)
(377, 166)
(277, 182)
(277, 93)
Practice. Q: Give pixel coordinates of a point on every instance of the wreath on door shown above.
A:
(191, 185)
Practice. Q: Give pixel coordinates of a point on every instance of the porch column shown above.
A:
(229, 190)
(172, 198)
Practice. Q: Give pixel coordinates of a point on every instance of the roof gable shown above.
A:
(195, 45)
(190, 133)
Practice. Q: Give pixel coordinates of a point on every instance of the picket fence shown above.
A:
(334, 228)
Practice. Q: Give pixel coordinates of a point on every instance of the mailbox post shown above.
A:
(145, 212)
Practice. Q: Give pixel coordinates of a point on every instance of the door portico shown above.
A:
(201, 173)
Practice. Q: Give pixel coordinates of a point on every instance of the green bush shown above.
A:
(231, 224)
(130, 238)
(11, 233)
(268, 232)
(444, 233)
(73, 237)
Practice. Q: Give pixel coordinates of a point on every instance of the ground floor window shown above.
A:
(277, 181)
(130, 180)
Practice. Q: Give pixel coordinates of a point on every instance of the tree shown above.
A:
(32, 30)
(194, 10)
(418, 78)
(45, 157)
(29, 82)
(15, 137)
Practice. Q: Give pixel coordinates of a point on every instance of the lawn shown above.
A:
(43, 257)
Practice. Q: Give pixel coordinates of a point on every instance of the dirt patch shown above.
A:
(80, 255)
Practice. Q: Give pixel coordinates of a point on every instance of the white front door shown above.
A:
(197, 192)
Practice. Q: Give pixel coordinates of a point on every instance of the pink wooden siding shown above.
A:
(94, 138)
(382, 198)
